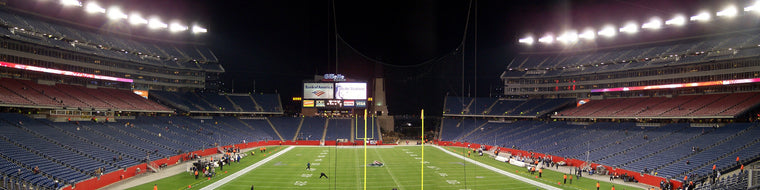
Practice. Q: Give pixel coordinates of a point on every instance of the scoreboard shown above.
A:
(334, 95)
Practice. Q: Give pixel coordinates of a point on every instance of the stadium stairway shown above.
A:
(472, 131)
(234, 105)
(324, 131)
(274, 129)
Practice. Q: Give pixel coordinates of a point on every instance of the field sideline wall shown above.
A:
(642, 178)
(113, 177)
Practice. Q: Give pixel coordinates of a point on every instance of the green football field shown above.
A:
(345, 167)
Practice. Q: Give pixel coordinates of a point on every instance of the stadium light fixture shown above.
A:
(156, 23)
(654, 24)
(114, 13)
(607, 31)
(588, 34)
(71, 3)
(526, 40)
(704, 16)
(137, 19)
(677, 21)
(177, 27)
(727, 12)
(93, 7)
(754, 7)
(569, 37)
(630, 28)
(197, 29)
(548, 39)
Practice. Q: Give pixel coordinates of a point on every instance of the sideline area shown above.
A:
(520, 178)
(245, 170)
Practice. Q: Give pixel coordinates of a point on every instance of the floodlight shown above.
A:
(607, 31)
(704, 16)
(156, 23)
(71, 3)
(677, 20)
(176, 27)
(654, 23)
(568, 37)
(548, 39)
(136, 19)
(753, 7)
(114, 13)
(588, 34)
(526, 40)
(630, 28)
(93, 7)
(727, 12)
(198, 29)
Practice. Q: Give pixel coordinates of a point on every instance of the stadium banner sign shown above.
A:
(348, 103)
(142, 93)
(361, 103)
(681, 85)
(319, 103)
(62, 72)
(308, 103)
(318, 91)
(351, 90)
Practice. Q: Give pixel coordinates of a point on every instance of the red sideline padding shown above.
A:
(645, 178)
(113, 177)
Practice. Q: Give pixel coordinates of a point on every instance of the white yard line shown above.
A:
(245, 170)
(387, 169)
(517, 177)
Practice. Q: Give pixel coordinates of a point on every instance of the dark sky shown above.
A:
(416, 45)
(280, 43)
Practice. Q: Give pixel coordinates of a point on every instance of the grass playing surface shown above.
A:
(345, 168)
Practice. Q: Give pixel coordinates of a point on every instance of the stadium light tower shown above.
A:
(587, 34)
(114, 13)
(137, 19)
(607, 31)
(678, 20)
(197, 29)
(654, 24)
(177, 27)
(548, 39)
(526, 40)
(71, 3)
(630, 28)
(93, 7)
(754, 7)
(728, 12)
(156, 23)
(703, 17)
(569, 37)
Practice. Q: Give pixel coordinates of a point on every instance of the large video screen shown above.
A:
(318, 91)
(351, 90)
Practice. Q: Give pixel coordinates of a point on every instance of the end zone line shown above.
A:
(517, 177)
(245, 170)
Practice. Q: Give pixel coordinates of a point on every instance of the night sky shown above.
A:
(416, 45)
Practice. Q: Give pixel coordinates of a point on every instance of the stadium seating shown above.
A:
(213, 102)
(340, 128)
(624, 145)
(28, 93)
(510, 107)
(72, 151)
(683, 106)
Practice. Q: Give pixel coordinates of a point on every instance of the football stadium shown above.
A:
(96, 95)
